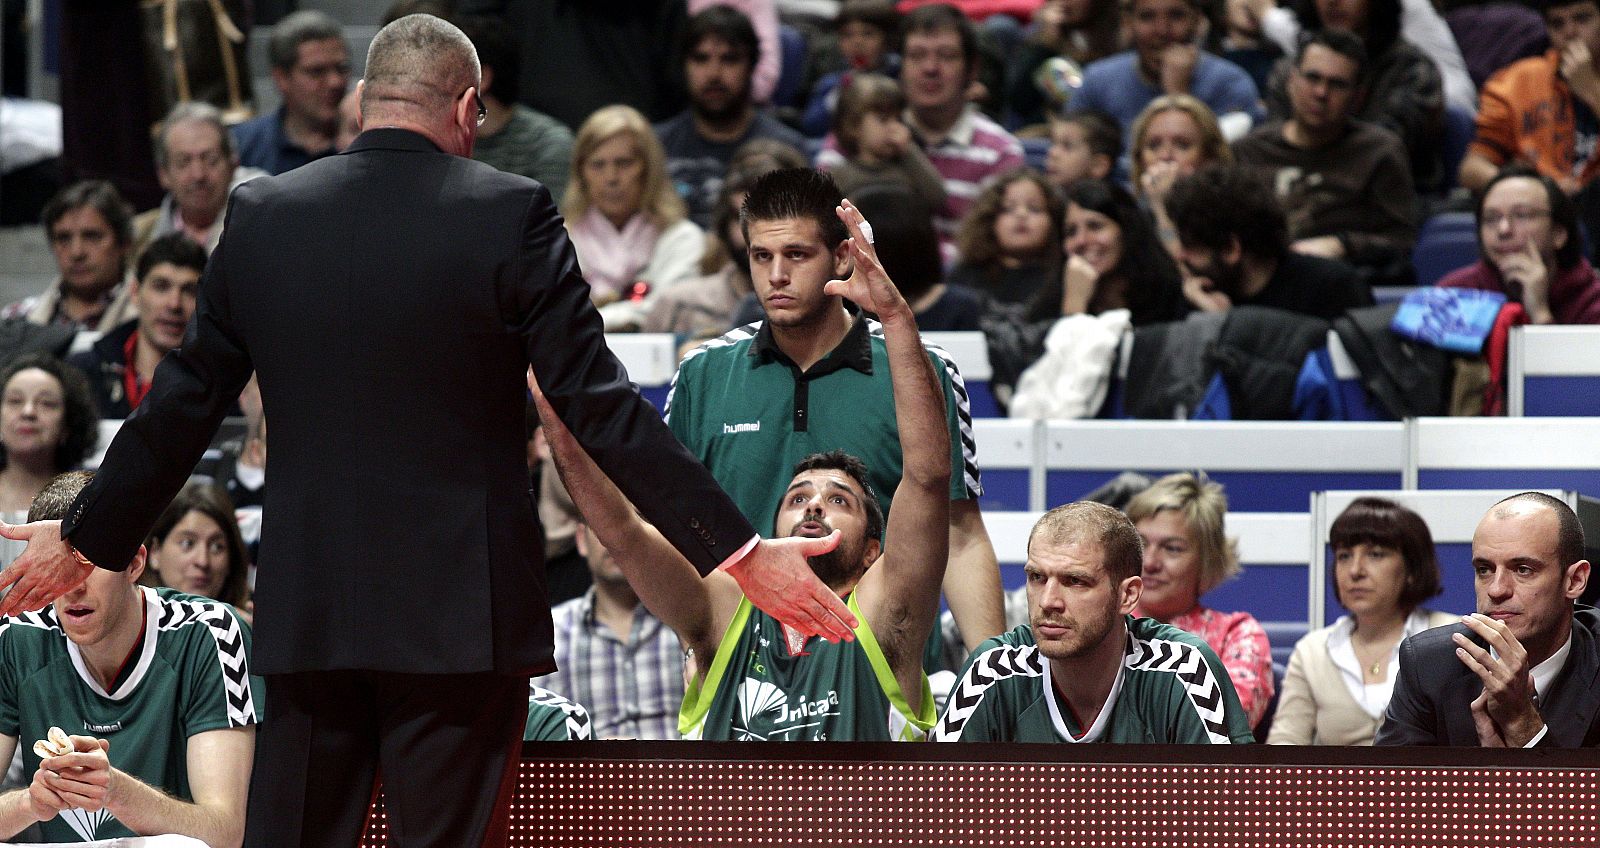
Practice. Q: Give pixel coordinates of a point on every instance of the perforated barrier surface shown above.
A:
(665, 795)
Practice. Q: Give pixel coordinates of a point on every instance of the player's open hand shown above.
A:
(776, 577)
(46, 570)
(868, 285)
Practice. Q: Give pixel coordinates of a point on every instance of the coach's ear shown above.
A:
(1577, 579)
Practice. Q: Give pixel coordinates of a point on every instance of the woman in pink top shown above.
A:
(1180, 519)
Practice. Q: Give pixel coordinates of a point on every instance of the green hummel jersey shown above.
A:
(191, 675)
(1170, 688)
(750, 417)
(757, 690)
(552, 718)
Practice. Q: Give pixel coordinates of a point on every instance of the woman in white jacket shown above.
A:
(1340, 677)
(626, 221)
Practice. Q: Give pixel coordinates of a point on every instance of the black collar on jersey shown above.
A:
(853, 351)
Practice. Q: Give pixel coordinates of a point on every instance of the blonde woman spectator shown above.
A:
(1186, 555)
(1172, 138)
(1340, 677)
(627, 223)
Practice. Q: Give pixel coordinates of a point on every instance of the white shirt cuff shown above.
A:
(1537, 736)
(743, 551)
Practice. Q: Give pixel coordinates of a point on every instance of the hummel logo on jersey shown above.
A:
(745, 427)
(102, 728)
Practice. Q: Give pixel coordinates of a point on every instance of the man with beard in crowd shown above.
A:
(719, 57)
(1235, 248)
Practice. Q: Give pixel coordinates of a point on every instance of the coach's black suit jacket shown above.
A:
(391, 299)
(1434, 691)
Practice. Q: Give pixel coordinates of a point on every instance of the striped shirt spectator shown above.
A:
(973, 151)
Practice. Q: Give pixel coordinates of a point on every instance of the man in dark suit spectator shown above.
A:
(391, 300)
(311, 68)
(1522, 670)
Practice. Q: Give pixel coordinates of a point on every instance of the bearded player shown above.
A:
(753, 679)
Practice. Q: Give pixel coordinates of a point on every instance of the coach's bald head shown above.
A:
(423, 74)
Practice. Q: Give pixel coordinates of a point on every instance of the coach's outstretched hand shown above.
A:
(776, 578)
(46, 570)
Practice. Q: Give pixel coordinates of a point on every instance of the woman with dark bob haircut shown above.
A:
(47, 426)
(1340, 677)
(195, 547)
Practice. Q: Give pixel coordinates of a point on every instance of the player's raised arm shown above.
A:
(900, 593)
(669, 586)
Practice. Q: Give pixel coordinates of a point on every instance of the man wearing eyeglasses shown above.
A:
(311, 69)
(1529, 238)
(391, 300)
(1345, 184)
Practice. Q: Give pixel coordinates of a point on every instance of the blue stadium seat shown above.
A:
(1265, 466)
(1459, 126)
(1448, 241)
(1010, 458)
(793, 66)
(1506, 453)
(651, 360)
(970, 350)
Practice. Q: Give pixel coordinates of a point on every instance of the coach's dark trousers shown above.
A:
(445, 745)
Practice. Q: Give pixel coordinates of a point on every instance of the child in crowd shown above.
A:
(1083, 146)
(866, 39)
(1011, 241)
(877, 144)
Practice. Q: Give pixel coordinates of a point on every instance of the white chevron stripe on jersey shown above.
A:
(232, 657)
(1189, 664)
(579, 725)
(969, 443)
(732, 337)
(992, 666)
(44, 619)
